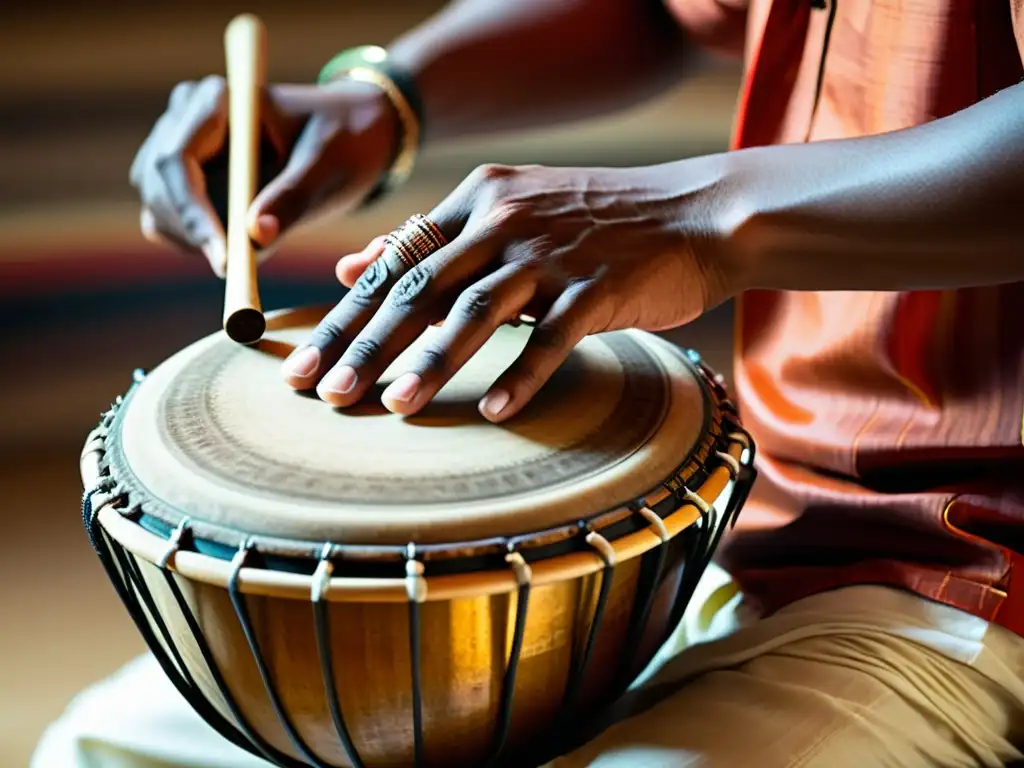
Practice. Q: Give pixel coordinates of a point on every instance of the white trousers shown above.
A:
(862, 676)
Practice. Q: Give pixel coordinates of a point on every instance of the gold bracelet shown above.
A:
(403, 164)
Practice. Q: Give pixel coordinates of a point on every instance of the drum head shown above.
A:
(215, 434)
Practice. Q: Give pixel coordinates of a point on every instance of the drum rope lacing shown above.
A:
(130, 588)
(322, 629)
(524, 579)
(242, 612)
(130, 583)
(606, 552)
(160, 518)
(416, 588)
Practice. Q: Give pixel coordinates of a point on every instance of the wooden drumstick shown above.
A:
(245, 44)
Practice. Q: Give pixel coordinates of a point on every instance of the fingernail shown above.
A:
(403, 389)
(339, 381)
(214, 250)
(494, 403)
(265, 229)
(147, 223)
(303, 362)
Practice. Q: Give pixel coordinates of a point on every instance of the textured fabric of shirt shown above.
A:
(888, 424)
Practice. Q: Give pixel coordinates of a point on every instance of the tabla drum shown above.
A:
(355, 588)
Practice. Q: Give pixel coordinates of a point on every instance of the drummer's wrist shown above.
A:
(763, 208)
(927, 208)
(708, 206)
(398, 98)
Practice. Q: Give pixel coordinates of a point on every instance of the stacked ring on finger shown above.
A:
(415, 240)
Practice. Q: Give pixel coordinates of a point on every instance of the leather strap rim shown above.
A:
(299, 555)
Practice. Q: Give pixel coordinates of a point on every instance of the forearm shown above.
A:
(495, 65)
(936, 206)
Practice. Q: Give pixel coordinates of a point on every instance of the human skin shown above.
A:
(585, 250)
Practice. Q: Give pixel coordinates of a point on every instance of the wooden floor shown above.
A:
(70, 340)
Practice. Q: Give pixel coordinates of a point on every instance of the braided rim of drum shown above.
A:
(719, 430)
(115, 489)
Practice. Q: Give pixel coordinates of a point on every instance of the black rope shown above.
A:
(89, 515)
(693, 569)
(130, 567)
(198, 703)
(255, 743)
(242, 612)
(322, 627)
(508, 684)
(580, 665)
(652, 565)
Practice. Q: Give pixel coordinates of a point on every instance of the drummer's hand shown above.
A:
(320, 144)
(583, 250)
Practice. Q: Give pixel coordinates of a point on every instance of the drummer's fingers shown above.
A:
(198, 221)
(176, 102)
(451, 216)
(576, 313)
(468, 201)
(346, 381)
(168, 238)
(156, 220)
(161, 224)
(477, 313)
(198, 136)
(350, 267)
(412, 304)
(173, 183)
(305, 366)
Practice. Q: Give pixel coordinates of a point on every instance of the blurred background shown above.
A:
(84, 299)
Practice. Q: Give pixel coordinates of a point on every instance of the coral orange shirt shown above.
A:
(888, 424)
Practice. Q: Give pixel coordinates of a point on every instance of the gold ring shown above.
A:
(415, 240)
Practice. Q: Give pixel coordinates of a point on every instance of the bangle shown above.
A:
(369, 64)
